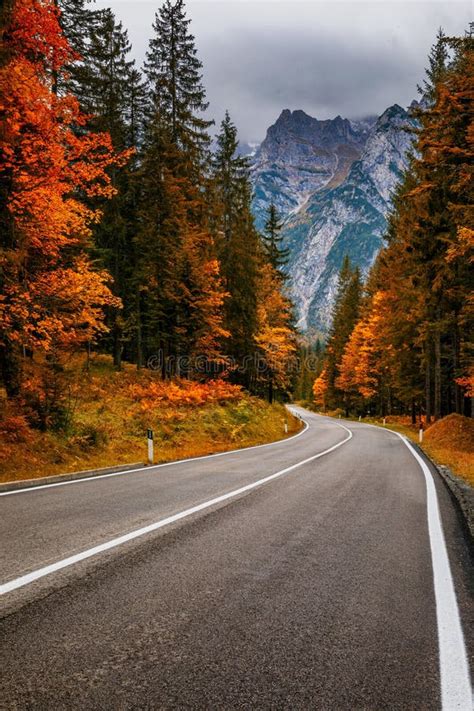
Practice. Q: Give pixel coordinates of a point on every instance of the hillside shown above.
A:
(111, 411)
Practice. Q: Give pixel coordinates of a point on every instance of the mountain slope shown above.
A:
(301, 155)
(342, 208)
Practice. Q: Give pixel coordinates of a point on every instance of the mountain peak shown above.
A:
(298, 116)
(284, 116)
(332, 180)
(393, 112)
(322, 133)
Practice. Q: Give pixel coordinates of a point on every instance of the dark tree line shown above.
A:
(198, 290)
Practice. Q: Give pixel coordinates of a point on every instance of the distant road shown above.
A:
(327, 571)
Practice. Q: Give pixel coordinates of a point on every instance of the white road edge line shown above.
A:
(456, 691)
(148, 469)
(90, 552)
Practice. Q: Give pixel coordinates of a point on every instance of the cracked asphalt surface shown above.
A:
(314, 591)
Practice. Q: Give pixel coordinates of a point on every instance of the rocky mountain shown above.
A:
(332, 181)
(301, 155)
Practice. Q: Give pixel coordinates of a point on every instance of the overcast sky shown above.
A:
(327, 57)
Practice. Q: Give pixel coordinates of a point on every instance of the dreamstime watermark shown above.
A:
(253, 363)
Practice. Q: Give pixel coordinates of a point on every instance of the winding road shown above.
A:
(328, 571)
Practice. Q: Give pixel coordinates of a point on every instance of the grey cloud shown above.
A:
(294, 71)
(325, 57)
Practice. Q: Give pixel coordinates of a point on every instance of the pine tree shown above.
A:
(231, 175)
(440, 208)
(412, 345)
(180, 290)
(111, 92)
(135, 109)
(345, 314)
(238, 244)
(272, 241)
(275, 337)
(77, 22)
(177, 94)
(436, 70)
(402, 352)
(366, 368)
(105, 77)
(443, 144)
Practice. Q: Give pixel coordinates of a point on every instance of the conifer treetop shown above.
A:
(174, 74)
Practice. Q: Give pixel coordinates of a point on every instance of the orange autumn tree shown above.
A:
(368, 364)
(320, 389)
(203, 291)
(51, 296)
(411, 349)
(431, 239)
(358, 376)
(275, 337)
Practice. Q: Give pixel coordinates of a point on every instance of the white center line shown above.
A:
(108, 545)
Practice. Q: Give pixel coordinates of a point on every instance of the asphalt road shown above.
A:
(319, 586)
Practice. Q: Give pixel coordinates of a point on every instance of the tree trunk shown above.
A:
(428, 358)
(10, 356)
(11, 368)
(118, 347)
(437, 374)
(139, 333)
(88, 356)
(458, 398)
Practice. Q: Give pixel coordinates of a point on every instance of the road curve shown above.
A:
(301, 577)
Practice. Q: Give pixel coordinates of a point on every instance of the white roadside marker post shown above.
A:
(384, 421)
(360, 418)
(420, 433)
(149, 437)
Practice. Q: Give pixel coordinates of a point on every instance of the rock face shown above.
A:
(332, 181)
(299, 156)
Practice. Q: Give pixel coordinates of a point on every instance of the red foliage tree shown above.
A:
(51, 297)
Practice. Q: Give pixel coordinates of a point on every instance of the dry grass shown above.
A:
(450, 441)
(113, 411)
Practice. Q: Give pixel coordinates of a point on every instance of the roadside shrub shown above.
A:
(183, 393)
(90, 437)
(15, 429)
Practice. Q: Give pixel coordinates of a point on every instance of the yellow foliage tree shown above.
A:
(320, 388)
(367, 362)
(275, 337)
